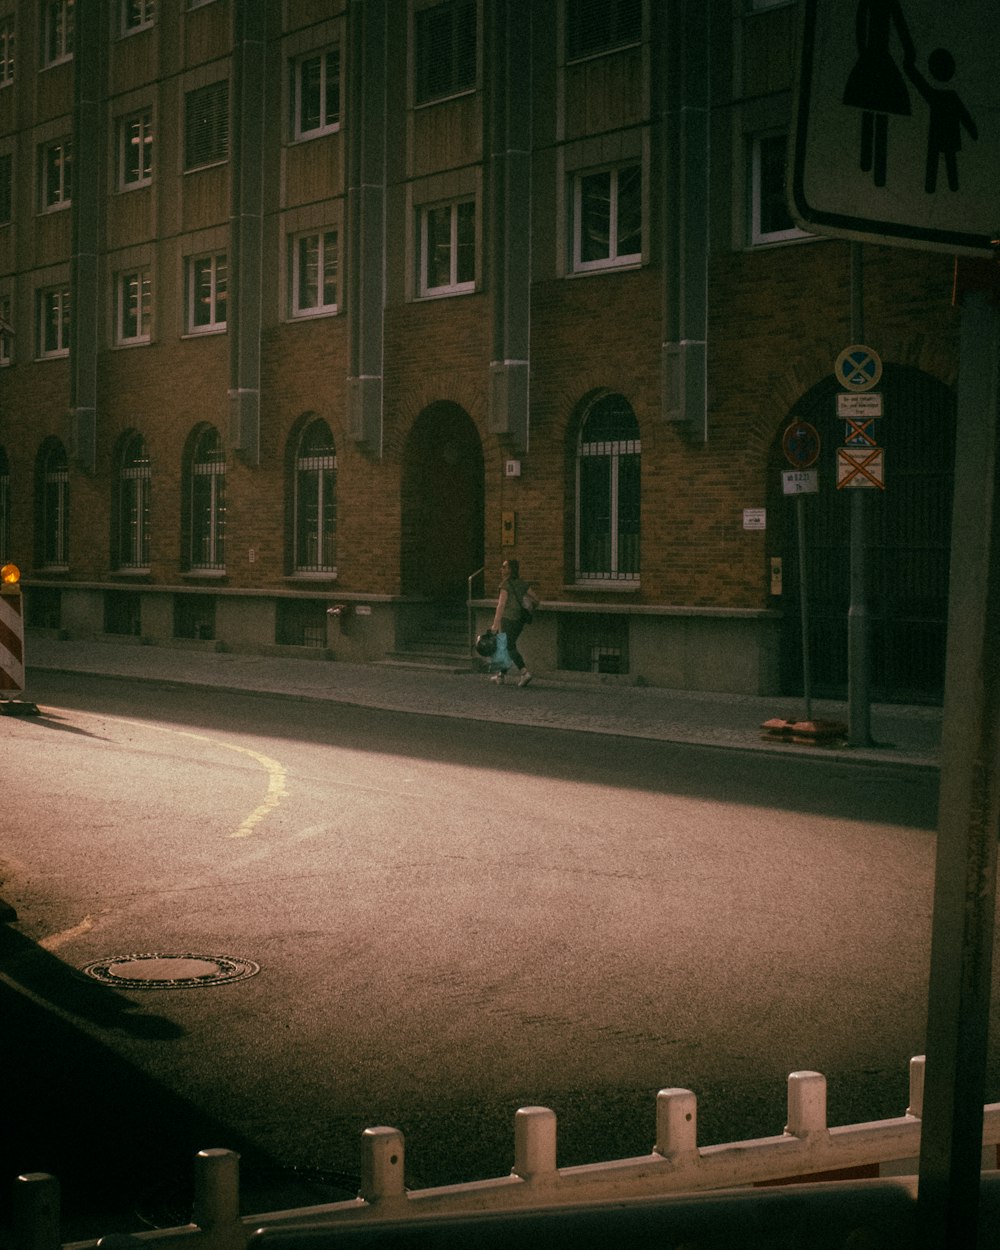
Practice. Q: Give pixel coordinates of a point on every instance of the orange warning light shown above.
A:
(10, 575)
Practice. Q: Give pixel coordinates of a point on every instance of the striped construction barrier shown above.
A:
(11, 641)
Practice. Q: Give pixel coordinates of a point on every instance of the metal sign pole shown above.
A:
(858, 617)
(800, 518)
(958, 1005)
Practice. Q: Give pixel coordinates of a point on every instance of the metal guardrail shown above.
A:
(468, 603)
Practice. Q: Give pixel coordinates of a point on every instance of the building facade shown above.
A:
(319, 305)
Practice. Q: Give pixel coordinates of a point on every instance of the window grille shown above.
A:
(608, 493)
(208, 502)
(134, 505)
(316, 501)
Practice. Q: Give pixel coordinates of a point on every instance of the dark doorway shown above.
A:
(443, 497)
(909, 536)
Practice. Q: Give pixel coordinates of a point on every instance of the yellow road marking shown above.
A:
(277, 774)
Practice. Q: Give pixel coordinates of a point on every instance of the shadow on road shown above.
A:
(795, 783)
(121, 1144)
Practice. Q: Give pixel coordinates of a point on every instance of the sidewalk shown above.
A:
(908, 736)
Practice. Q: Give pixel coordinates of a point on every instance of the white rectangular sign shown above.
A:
(897, 128)
(755, 518)
(800, 482)
(863, 404)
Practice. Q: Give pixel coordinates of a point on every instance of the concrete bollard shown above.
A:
(36, 1212)
(534, 1143)
(806, 1104)
(216, 1188)
(382, 1158)
(918, 1066)
(676, 1124)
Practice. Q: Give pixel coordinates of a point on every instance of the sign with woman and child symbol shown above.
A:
(897, 135)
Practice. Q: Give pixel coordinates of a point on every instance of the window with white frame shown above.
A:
(315, 509)
(4, 506)
(54, 506)
(445, 50)
(134, 490)
(57, 31)
(53, 321)
(315, 89)
(6, 51)
(207, 486)
(133, 311)
(135, 150)
(207, 283)
(6, 331)
(770, 219)
(594, 26)
(447, 248)
(6, 188)
(206, 125)
(608, 462)
(313, 271)
(607, 218)
(55, 174)
(137, 15)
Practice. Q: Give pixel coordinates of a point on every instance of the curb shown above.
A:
(774, 747)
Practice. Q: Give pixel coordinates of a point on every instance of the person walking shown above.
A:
(515, 605)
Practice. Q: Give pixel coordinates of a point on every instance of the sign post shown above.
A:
(897, 141)
(801, 445)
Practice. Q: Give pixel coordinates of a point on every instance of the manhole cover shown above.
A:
(169, 972)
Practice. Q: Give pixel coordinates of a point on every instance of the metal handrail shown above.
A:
(468, 603)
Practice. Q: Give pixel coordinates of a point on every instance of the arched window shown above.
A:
(133, 504)
(54, 506)
(207, 485)
(607, 493)
(316, 500)
(4, 507)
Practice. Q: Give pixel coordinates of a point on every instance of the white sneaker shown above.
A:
(497, 679)
(524, 678)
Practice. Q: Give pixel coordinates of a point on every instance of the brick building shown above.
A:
(334, 303)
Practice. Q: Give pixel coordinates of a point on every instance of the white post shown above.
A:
(216, 1189)
(676, 1124)
(806, 1104)
(534, 1143)
(382, 1164)
(36, 1212)
(916, 1107)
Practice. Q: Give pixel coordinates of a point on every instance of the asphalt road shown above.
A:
(452, 919)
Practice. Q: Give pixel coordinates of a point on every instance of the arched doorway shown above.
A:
(442, 505)
(909, 544)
